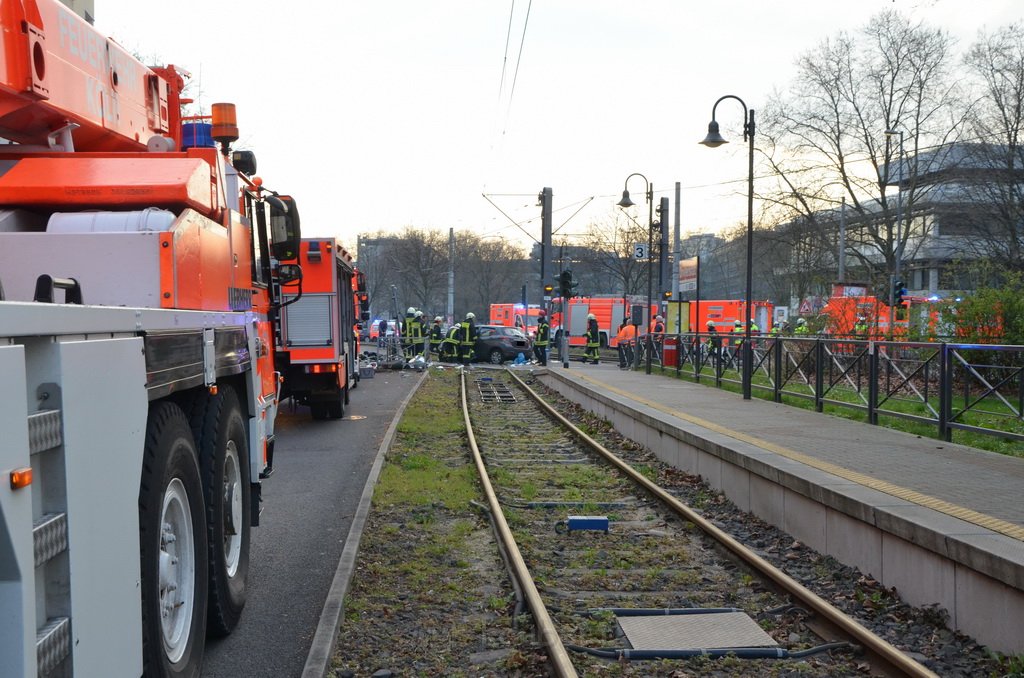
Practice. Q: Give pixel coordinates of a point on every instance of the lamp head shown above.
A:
(625, 202)
(713, 139)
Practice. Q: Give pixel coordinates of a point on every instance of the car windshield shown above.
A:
(514, 332)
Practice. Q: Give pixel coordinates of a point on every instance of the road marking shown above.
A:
(980, 519)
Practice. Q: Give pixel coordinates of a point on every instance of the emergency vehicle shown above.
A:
(318, 339)
(140, 268)
(725, 312)
(849, 302)
(516, 315)
(609, 312)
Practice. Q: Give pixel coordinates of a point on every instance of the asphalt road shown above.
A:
(320, 470)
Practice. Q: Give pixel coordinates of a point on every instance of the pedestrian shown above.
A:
(624, 343)
(467, 339)
(593, 336)
(436, 337)
(382, 332)
(541, 341)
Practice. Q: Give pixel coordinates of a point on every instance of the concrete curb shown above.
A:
(322, 649)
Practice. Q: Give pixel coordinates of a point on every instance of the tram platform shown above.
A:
(942, 523)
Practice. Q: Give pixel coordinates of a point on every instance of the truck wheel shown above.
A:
(173, 557)
(220, 430)
(336, 405)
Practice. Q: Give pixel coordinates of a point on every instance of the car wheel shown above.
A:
(496, 356)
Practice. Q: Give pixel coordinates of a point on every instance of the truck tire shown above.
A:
(336, 406)
(220, 432)
(173, 558)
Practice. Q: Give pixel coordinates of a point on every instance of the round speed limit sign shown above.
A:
(640, 251)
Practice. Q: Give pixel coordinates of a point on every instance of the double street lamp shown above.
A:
(714, 139)
(624, 203)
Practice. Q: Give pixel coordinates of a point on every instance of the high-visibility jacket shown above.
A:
(543, 334)
(800, 329)
(626, 333)
(436, 335)
(593, 334)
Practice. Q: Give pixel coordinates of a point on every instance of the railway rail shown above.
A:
(611, 567)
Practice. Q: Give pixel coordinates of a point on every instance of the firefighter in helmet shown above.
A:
(542, 339)
(860, 328)
(593, 335)
(467, 338)
(436, 336)
(801, 327)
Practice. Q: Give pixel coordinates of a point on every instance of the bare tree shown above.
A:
(608, 254)
(486, 272)
(419, 261)
(826, 137)
(997, 120)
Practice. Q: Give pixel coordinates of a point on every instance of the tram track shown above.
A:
(540, 472)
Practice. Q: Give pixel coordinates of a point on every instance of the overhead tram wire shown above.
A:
(515, 75)
(504, 61)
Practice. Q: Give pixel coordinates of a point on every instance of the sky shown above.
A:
(384, 114)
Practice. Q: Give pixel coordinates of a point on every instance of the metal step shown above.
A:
(44, 431)
(53, 644)
(50, 536)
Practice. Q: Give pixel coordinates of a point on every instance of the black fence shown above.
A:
(949, 386)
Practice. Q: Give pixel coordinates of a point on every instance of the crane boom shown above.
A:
(57, 70)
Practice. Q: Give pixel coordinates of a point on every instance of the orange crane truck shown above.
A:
(140, 275)
(317, 345)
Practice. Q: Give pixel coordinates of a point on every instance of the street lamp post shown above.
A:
(714, 140)
(624, 203)
(895, 275)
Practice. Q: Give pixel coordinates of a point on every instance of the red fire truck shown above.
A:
(140, 265)
(609, 312)
(317, 348)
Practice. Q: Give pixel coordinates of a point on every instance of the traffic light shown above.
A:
(898, 290)
(548, 289)
(567, 284)
(667, 295)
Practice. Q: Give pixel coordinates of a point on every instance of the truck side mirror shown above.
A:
(284, 227)
(288, 273)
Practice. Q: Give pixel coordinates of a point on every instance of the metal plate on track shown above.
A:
(694, 631)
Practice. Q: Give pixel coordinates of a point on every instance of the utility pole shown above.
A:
(545, 198)
(451, 276)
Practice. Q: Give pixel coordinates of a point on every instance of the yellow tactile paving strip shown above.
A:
(950, 509)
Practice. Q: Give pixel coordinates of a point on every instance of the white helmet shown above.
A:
(410, 311)
(658, 317)
(591, 317)
(738, 323)
(419, 314)
(437, 318)
(801, 321)
(470, 315)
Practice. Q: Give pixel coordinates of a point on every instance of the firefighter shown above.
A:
(801, 327)
(436, 336)
(413, 332)
(543, 338)
(776, 329)
(450, 344)
(467, 338)
(593, 335)
(860, 328)
(714, 343)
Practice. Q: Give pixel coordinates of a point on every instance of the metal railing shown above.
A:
(948, 386)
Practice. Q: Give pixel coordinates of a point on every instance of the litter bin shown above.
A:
(670, 352)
